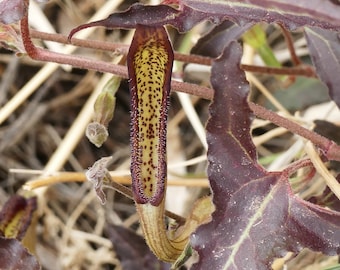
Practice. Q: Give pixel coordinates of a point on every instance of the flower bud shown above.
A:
(104, 108)
(96, 133)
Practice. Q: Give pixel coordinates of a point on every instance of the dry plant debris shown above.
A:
(45, 110)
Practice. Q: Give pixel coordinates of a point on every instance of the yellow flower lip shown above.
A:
(150, 61)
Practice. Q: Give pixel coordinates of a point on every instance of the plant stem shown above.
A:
(292, 168)
(84, 43)
(329, 147)
(290, 44)
(304, 70)
(109, 46)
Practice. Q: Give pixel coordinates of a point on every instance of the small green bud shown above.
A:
(104, 108)
(112, 85)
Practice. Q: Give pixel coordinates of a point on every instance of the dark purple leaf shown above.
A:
(213, 43)
(133, 251)
(324, 47)
(12, 11)
(13, 255)
(291, 13)
(257, 217)
(135, 14)
(16, 216)
(158, 15)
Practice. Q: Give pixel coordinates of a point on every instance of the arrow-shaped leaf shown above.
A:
(257, 217)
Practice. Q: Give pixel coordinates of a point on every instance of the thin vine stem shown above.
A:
(330, 148)
(65, 177)
(114, 47)
(305, 70)
(290, 44)
(128, 193)
(298, 165)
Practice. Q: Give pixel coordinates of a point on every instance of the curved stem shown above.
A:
(290, 44)
(156, 236)
(330, 148)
